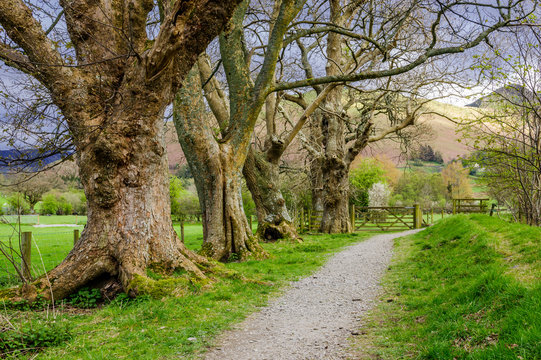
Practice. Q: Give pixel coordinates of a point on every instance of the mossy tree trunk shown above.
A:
(114, 106)
(129, 226)
(262, 178)
(216, 158)
(216, 169)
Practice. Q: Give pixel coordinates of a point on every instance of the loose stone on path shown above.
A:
(317, 315)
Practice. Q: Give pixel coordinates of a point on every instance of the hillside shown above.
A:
(438, 131)
(513, 93)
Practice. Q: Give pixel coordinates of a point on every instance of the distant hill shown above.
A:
(30, 159)
(513, 93)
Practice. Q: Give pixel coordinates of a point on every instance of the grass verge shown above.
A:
(467, 288)
(179, 328)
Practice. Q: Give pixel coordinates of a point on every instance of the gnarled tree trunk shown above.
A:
(273, 217)
(216, 167)
(113, 105)
(129, 227)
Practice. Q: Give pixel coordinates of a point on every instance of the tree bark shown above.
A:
(316, 163)
(129, 227)
(273, 218)
(216, 167)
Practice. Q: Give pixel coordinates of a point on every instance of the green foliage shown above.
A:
(419, 187)
(23, 305)
(85, 298)
(367, 173)
(49, 205)
(32, 336)
(189, 204)
(18, 204)
(466, 288)
(56, 203)
(247, 202)
(175, 190)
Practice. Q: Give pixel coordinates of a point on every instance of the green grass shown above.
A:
(467, 288)
(160, 328)
(49, 247)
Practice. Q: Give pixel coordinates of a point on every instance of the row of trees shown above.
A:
(375, 183)
(112, 68)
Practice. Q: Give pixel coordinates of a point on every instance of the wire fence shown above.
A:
(22, 219)
(47, 249)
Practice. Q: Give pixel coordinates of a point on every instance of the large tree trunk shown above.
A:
(336, 189)
(129, 226)
(216, 167)
(335, 167)
(316, 163)
(335, 171)
(273, 217)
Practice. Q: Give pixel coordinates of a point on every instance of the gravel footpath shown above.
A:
(315, 317)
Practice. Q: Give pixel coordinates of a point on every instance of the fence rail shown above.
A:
(470, 205)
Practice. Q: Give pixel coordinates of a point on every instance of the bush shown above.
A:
(362, 178)
(17, 204)
(419, 187)
(85, 298)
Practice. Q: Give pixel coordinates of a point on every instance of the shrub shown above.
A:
(49, 205)
(17, 204)
(362, 178)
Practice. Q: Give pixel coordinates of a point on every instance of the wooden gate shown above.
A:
(387, 218)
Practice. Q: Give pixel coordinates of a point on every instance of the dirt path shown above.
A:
(315, 317)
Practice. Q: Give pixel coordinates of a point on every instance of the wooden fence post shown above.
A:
(75, 236)
(352, 216)
(26, 251)
(309, 220)
(454, 206)
(182, 229)
(417, 216)
(492, 209)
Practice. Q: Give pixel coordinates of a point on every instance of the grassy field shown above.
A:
(178, 328)
(467, 288)
(50, 245)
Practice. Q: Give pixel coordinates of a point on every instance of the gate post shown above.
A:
(417, 216)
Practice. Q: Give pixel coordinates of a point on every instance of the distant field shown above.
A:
(428, 167)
